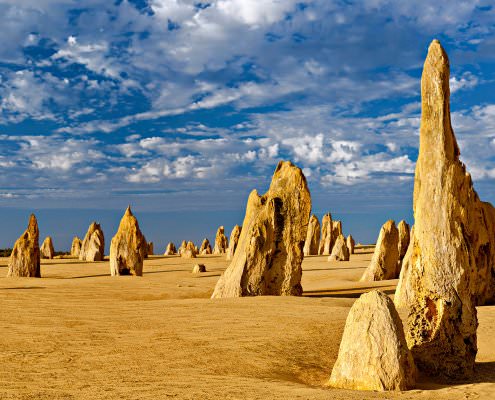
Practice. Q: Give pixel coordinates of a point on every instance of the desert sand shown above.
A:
(79, 333)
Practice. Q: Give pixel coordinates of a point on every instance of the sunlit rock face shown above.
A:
(25, 258)
(312, 237)
(93, 245)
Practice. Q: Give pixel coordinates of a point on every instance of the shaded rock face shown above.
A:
(404, 291)
(128, 247)
(75, 249)
(270, 250)
(452, 252)
(326, 241)
(312, 237)
(350, 244)
(150, 249)
(199, 268)
(190, 251)
(25, 258)
(205, 247)
(385, 259)
(373, 353)
(170, 250)
(404, 238)
(233, 242)
(47, 250)
(336, 231)
(221, 243)
(93, 245)
(340, 252)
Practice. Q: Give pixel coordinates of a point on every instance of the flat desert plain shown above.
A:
(79, 333)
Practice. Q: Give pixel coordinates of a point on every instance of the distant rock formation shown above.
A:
(221, 243)
(373, 353)
(340, 252)
(128, 247)
(327, 240)
(270, 250)
(93, 245)
(451, 266)
(47, 250)
(75, 249)
(312, 237)
(384, 263)
(191, 251)
(25, 258)
(234, 240)
(182, 247)
(205, 247)
(150, 249)
(350, 244)
(404, 237)
(199, 268)
(336, 230)
(170, 250)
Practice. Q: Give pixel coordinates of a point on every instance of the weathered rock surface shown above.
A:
(404, 237)
(93, 245)
(47, 250)
(327, 240)
(182, 247)
(170, 250)
(385, 259)
(234, 241)
(350, 244)
(151, 249)
(270, 250)
(340, 252)
(199, 268)
(373, 353)
(336, 230)
(221, 243)
(75, 249)
(205, 247)
(452, 251)
(312, 237)
(128, 247)
(404, 292)
(25, 258)
(190, 251)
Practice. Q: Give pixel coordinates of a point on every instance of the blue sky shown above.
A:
(180, 108)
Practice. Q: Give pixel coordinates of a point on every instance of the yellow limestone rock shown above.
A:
(336, 230)
(150, 249)
(373, 353)
(312, 237)
(182, 247)
(47, 250)
(234, 241)
(384, 262)
(270, 250)
(75, 249)
(190, 251)
(350, 244)
(128, 247)
(404, 291)
(340, 252)
(326, 241)
(93, 245)
(25, 258)
(199, 268)
(205, 247)
(221, 243)
(452, 260)
(170, 250)
(404, 237)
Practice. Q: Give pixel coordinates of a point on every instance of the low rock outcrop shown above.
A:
(93, 245)
(199, 268)
(25, 257)
(170, 250)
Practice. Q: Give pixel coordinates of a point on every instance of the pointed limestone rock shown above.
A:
(270, 250)
(128, 247)
(75, 249)
(93, 245)
(190, 251)
(170, 250)
(182, 248)
(312, 237)
(221, 243)
(384, 262)
(350, 244)
(340, 252)
(234, 241)
(404, 291)
(373, 353)
(47, 250)
(25, 258)
(326, 241)
(205, 247)
(452, 261)
(150, 249)
(404, 238)
(336, 229)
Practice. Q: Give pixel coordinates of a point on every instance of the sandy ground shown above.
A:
(78, 333)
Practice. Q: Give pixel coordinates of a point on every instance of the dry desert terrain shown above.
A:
(79, 333)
